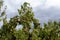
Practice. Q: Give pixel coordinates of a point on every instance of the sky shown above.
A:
(43, 6)
(34, 3)
(44, 10)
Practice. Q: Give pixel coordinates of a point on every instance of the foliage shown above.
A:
(32, 30)
(1, 3)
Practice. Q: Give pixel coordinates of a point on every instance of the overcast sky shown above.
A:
(34, 3)
(43, 9)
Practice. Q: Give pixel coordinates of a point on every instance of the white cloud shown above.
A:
(15, 3)
(34, 3)
(54, 3)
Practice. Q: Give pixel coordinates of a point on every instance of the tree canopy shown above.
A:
(32, 30)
